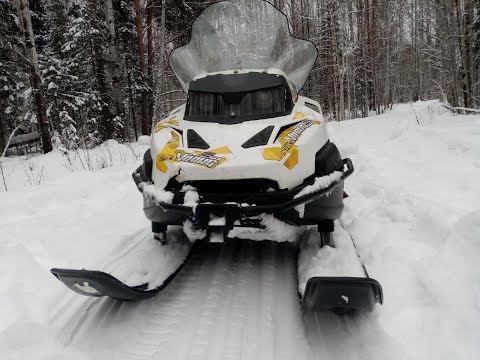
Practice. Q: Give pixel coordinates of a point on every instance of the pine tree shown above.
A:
(69, 136)
(68, 69)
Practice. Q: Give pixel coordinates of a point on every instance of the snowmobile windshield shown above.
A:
(243, 34)
(235, 98)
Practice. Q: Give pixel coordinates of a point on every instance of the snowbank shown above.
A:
(33, 170)
(413, 211)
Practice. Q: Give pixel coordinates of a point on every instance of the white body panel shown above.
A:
(241, 163)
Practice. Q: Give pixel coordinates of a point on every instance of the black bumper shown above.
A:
(320, 205)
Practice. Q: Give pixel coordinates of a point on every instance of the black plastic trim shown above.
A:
(146, 172)
(195, 141)
(342, 294)
(238, 119)
(237, 83)
(238, 187)
(285, 127)
(241, 84)
(260, 138)
(327, 159)
(107, 285)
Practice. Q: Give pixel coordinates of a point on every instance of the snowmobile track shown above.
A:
(236, 301)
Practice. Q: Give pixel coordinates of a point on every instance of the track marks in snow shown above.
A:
(350, 337)
(236, 301)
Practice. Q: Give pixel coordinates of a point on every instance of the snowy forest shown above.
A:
(240, 223)
(80, 72)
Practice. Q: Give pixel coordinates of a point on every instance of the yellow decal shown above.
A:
(164, 124)
(221, 150)
(208, 159)
(287, 140)
(170, 153)
(299, 115)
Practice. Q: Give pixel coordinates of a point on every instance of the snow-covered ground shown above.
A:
(413, 209)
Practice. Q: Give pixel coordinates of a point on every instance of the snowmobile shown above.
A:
(244, 148)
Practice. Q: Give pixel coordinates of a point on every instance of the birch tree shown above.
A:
(141, 54)
(114, 64)
(35, 77)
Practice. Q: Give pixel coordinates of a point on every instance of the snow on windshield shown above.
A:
(245, 34)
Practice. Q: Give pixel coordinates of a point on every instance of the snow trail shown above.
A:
(236, 301)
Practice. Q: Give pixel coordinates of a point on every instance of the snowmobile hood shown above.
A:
(281, 149)
(226, 37)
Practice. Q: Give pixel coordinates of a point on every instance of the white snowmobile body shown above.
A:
(284, 154)
(245, 143)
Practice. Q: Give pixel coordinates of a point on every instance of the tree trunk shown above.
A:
(463, 33)
(337, 62)
(150, 57)
(114, 62)
(35, 78)
(130, 94)
(3, 136)
(161, 62)
(146, 122)
(106, 127)
(451, 53)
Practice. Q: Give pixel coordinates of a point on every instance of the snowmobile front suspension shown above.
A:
(325, 228)
(159, 232)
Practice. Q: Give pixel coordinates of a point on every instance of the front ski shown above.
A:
(343, 293)
(99, 283)
(142, 270)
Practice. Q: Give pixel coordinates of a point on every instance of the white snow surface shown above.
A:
(147, 261)
(313, 260)
(413, 210)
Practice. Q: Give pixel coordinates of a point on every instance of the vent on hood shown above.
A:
(260, 138)
(195, 141)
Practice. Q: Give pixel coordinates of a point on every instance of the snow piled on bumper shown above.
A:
(155, 194)
(275, 230)
(321, 182)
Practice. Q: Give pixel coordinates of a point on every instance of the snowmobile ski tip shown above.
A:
(342, 294)
(98, 283)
